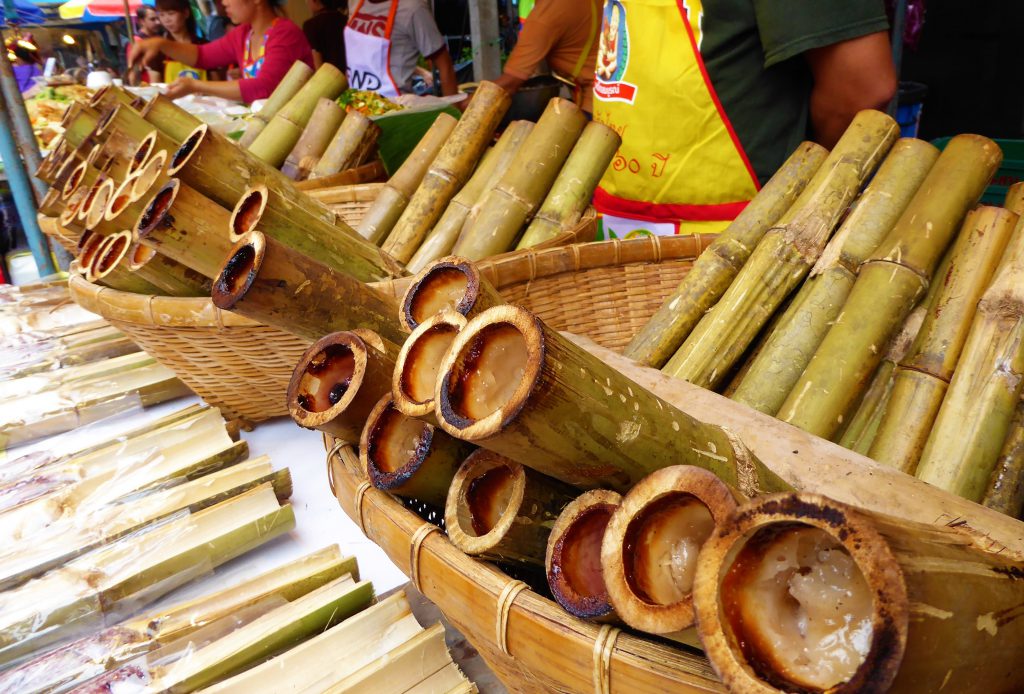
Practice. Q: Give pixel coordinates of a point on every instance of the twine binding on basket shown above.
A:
(335, 450)
(508, 596)
(415, 542)
(360, 495)
(604, 646)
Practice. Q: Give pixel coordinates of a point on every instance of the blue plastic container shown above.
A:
(909, 107)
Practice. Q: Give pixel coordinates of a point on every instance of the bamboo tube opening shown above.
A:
(573, 563)
(239, 270)
(798, 594)
(121, 198)
(489, 372)
(98, 205)
(184, 152)
(74, 180)
(84, 239)
(145, 179)
(106, 119)
(451, 283)
(324, 378)
(492, 489)
(248, 211)
(97, 98)
(139, 256)
(418, 363)
(70, 212)
(157, 209)
(142, 153)
(393, 447)
(87, 256)
(109, 253)
(90, 196)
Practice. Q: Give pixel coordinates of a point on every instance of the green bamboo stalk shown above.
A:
(790, 346)
(921, 379)
(890, 283)
(516, 197)
(172, 120)
(1005, 491)
(315, 138)
(352, 143)
(298, 74)
(449, 171)
(572, 190)
(784, 256)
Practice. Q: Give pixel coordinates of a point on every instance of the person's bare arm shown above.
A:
(849, 76)
(509, 83)
(142, 52)
(442, 60)
(187, 85)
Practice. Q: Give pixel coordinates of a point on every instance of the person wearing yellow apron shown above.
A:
(383, 41)
(177, 20)
(710, 96)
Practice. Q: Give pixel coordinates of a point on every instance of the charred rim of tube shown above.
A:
(142, 152)
(158, 208)
(418, 304)
(487, 493)
(572, 585)
(139, 255)
(121, 198)
(106, 119)
(437, 329)
(98, 96)
(767, 518)
(98, 205)
(144, 180)
(239, 270)
(326, 379)
(111, 253)
(385, 421)
(248, 211)
(74, 180)
(184, 152)
(456, 382)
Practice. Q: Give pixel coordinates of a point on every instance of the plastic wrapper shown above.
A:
(51, 321)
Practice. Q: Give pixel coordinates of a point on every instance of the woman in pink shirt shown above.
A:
(263, 44)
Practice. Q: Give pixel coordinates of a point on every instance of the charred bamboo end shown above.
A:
(248, 211)
(90, 246)
(142, 153)
(239, 270)
(188, 147)
(574, 551)
(149, 174)
(393, 447)
(450, 283)
(158, 209)
(483, 501)
(489, 372)
(418, 361)
(650, 547)
(326, 379)
(798, 592)
(74, 180)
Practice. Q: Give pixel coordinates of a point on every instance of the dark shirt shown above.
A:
(325, 33)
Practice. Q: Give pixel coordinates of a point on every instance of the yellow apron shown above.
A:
(173, 70)
(681, 168)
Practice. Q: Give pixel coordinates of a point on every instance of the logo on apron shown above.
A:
(364, 80)
(613, 57)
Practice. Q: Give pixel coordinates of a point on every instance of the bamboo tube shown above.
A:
(271, 283)
(513, 385)
(124, 201)
(449, 171)
(973, 421)
(572, 560)
(125, 120)
(415, 370)
(500, 510)
(650, 547)
(298, 74)
(889, 284)
(171, 120)
(51, 205)
(784, 256)
(408, 457)
(174, 278)
(573, 189)
(355, 138)
(338, 381)
(1014, 200)
(380, 218)
(98, 203)
(152, 176)
(79, 123)
(104, 259)
(715, 269)
(186, 226)
(110, 95)
(1005, 491)
(335, 245)
(115, 155)
(922, 378)
(154, 142)
(510, 204)
(81, 177)
(91, 194)
(801, 593)
(449, 284)
(326, 118)
(791, 344)
(277, 139)
(495, 163)
(860, 432)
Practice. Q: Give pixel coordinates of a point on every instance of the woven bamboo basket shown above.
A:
(232, 362)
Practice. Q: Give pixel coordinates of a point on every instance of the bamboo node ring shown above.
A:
(416, 542)
(507, 596)
(360, 495)
(604, 646)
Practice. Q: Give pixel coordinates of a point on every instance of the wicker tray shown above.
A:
(232, 362)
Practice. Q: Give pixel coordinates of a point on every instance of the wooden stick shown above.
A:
(449, 284)
(415, 370)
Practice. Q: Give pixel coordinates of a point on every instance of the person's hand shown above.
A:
(145, 51)
(183, 86)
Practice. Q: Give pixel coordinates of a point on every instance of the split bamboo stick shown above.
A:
(513, 385)
(889, 284)
(1014, 200)
(450, 169)
(327, 116)
(650, 548)
(500, 510)
(415, 369)
(715, 269)
(973, 421)
(380, 218)
(173, 121)
(353, 142)
(279, 136)
(271, 283)
(408, 457)
(800, 593)
(1005, 491)
(298, 74)
(784, 256)
(449, 284)
(572, 561)
(508, 206)
(790, 346)
(922, 378)
(338, 381)
(572, 190)
(492, 168)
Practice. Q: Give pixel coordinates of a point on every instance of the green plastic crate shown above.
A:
(1009, 173)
